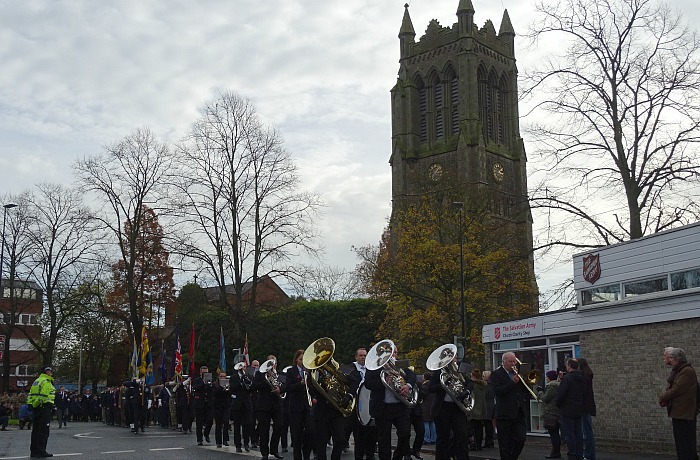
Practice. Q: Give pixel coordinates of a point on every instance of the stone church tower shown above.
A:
(455, 121)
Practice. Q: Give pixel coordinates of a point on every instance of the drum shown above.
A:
(363, 395)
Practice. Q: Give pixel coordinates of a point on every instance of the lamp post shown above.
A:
(2, 250)
(459, 205)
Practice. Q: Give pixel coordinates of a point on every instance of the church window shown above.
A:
(483, 99)
(423, 112)
(493, 108)
(505, 104)
(454, 103)
(439, 126)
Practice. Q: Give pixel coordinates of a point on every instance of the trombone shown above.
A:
(532, 378)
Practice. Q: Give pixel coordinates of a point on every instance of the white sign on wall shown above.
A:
(516, 330)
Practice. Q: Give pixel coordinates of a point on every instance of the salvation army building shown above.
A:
(633, 299)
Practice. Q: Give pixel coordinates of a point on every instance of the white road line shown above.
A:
(118, 452)
(168, 448)
(68, 455)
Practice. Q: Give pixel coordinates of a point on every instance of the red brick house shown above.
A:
(26, 305)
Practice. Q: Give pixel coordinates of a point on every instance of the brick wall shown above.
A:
(629, 375)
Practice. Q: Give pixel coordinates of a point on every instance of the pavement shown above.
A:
(537, 447)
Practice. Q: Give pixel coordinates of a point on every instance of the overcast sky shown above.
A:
(77, 75)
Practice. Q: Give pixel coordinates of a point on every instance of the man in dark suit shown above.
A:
(388, 410)
(201, 398)
(510, 411)
(62, 406)
(241, 407)
(450, 422)
(365, 436)
(268, 411)
(300, 424)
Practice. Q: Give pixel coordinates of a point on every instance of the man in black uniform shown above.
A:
(268, 411)
(241, 407)
(450, 422)
(221, 406)
(510, 408)
(133, 396)
(201, 397)
(300, 423)
(387, 409)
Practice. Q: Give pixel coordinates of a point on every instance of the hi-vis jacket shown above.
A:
(42, 391)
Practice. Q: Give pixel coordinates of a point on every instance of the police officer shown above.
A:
(41, 398)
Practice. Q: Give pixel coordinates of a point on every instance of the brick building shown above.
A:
(633, 300)
(22, 300)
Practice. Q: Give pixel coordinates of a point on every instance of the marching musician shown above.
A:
(509, 412)
(387, 410)
(183, 412)
(365, 436)
(300, 423)
(221, 404)
(201, 399)
(450, 421)
(241, 407)
(268, 410)
(329, 423)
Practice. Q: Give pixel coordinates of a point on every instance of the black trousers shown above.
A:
(301, 428)
(203, 422)
(512, 434)
(396, 415)
(365, 437)
(335, 428)
(419, 429)
(221, 423)
(242, 422)
(684, 433)
(269, 444)
(41, 421)
(451, 426)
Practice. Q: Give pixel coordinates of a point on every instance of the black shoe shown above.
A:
(417, 456)
(206, 438)
(247, 448)
(225, 443)
(200, 443)
(553, 455)
(238, 449)
(276, 455)
(219, 446)
(284, 449)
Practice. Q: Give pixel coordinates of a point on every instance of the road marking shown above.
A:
(86, 436)
(118, 452)
(168, 448)
(68, 455)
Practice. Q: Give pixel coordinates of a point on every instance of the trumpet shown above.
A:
(532, 378)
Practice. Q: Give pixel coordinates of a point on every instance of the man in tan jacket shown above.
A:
(680, 400)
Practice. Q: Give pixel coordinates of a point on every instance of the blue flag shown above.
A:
(163, 369)
(222, 353)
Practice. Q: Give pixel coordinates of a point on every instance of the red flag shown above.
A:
(246, 359)
(192, 366)
(178, 358)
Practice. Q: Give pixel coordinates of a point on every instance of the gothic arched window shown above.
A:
(483, 99)
(504, 133)
(494, 106)
(437, 109)
(422, 111)
(453, 102)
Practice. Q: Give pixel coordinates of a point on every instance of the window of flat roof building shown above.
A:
(646, 287)
(600, 294)
(509, 345)
(564, 339)
(685, 280)
(534, 343)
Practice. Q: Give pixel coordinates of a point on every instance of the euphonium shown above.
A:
(325, 375)
(245, 379)
(451, 379)
(381, 355)
(268, 368)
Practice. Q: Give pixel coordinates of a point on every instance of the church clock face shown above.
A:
(435, 172)
(499, 172)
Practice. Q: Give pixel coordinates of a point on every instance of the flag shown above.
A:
(134, 365)
(146, 361)
(163, 369)
(222, 353)
(191, 366)
(246, 359)
(177, 357)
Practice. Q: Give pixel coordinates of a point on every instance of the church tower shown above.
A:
(455, 121)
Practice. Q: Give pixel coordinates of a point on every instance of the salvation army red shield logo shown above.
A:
(591, 268)
(497, 333)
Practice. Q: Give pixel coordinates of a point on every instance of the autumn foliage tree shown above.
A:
(416, 270)
(152, 275)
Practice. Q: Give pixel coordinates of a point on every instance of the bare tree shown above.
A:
(238, 194)
(128, 178)
(324, 282)
(65, 252)
(619, 147)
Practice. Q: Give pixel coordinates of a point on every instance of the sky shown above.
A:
(78, 75)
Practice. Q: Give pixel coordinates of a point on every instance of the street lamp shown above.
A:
(2, 250)
(459, 205)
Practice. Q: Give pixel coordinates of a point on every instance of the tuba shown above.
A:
(245, 380)
(451, 379)
(381, 356)
(268, 368)
(326, 376)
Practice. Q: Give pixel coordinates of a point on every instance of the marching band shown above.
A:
(322, 402)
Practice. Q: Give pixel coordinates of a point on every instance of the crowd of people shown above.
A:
(261, 407)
